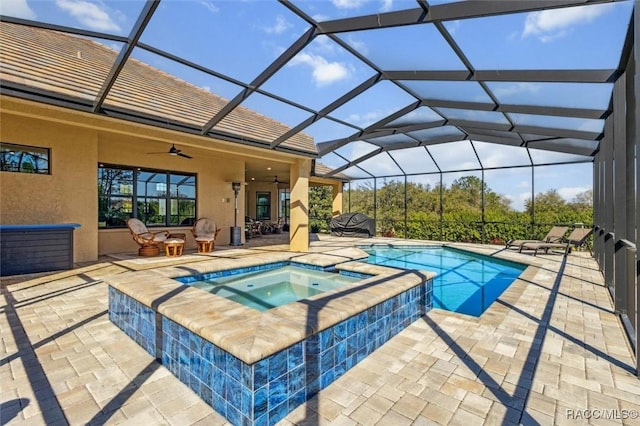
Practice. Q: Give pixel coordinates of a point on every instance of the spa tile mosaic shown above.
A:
(263, 393)
(134, 318)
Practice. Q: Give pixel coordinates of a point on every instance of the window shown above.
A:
(24, 159)
(156, 197)
(285, 198)
(263, 206)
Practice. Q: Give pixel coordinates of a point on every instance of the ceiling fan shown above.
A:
(172, 151)
(275, 181)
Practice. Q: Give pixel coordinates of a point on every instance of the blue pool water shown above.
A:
(267, 289)
(465, 282)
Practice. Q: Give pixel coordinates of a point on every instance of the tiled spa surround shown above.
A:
(261, 387)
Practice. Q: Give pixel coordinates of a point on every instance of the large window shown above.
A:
(156, 197)
(24, 159)
(263, 206)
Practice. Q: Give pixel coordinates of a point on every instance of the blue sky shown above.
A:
(240, 38)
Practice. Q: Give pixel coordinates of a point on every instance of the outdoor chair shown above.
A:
(276, 227)
(205, 233)
(578, 237)
(148, 241)
(255, 229)
(554, 235)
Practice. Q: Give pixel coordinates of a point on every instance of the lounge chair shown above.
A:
(576, 238)
(205, 232)
(148, 241)
(554, 235)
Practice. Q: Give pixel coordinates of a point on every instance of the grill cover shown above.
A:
(353, 225)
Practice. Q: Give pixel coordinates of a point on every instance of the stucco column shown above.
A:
(336, 205)
(299, 206)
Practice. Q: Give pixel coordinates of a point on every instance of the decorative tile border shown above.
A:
(228, 272)
(265, 267)
(266, 391)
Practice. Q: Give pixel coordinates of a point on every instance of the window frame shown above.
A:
(260, 207)
(46, 151)
(137, 198)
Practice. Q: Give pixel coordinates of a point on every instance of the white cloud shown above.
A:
(92, 15)
(516, 88)
(430, 180)
(497, 158)
(206, 88)
(452, 26)
(591, 125)
(358, 45)
(359, 148)
(324, 72)
(386, 5)
(324, 45)
(368, 118)
(518, 202)
(320, 17)
(420, 115)
(569, 193)
(17, 8)
(347, 4)
(210, 6)
(281, 25)
(549, 25)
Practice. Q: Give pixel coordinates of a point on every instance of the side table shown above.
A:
(173, 247)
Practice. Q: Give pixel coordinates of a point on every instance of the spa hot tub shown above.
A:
(253, 366)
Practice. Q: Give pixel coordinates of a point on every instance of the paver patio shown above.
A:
(546, 351)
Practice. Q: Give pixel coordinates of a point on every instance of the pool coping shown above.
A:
(249, 334)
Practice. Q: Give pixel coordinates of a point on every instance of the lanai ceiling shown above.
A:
(423, 77)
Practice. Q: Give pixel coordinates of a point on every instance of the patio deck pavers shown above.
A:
(550, 348)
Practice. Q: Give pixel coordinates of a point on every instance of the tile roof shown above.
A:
(77, 67)
(322, 169)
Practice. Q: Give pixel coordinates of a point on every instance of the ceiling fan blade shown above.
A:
(163, 152)
(184, 155)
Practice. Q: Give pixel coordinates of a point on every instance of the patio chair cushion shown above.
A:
(159, 238)
(204, 229)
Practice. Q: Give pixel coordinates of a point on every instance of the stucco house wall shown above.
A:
(68, 195)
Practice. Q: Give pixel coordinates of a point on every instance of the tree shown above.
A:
(583, 199)
(462, 210)
(546, 201)
(320, 203)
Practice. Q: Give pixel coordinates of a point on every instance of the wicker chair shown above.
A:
(256, 228)
(148, 241)
(277, 226)
(205, 232)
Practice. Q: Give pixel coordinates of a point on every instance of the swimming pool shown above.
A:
(263, 290)
(465, 282)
